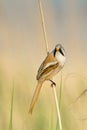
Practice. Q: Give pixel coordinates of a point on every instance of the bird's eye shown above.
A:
(61, 51)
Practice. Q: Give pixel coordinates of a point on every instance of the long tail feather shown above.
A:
(35, 96)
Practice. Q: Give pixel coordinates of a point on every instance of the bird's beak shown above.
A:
(57, 49)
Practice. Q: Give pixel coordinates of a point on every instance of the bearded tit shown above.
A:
(52, 64)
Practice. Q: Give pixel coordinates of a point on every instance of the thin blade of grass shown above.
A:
(51, 126)
(11, 111)
(60, 93)
(60, 100)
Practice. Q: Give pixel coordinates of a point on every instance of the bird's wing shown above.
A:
(47, 65)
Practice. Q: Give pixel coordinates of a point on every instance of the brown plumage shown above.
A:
(35, 96)
(50, 66)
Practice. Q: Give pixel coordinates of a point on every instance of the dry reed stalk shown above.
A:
(46, 43)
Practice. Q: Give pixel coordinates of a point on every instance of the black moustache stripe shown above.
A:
(54, 52)
(60, 50)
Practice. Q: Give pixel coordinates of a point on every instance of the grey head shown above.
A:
(59, 48)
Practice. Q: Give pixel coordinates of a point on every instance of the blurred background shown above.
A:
(22, 50)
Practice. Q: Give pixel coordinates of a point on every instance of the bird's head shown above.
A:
(59, 53)
(59, 49)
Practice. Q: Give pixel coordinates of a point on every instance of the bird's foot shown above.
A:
(53, 83)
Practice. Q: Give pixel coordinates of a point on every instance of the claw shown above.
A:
(53, 83)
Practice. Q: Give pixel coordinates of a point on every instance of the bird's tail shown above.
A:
(35, 96)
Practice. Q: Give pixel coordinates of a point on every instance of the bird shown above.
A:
(52, 64)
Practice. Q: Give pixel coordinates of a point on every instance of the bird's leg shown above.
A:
(53, 83)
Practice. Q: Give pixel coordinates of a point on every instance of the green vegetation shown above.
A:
(44, 115)
(11, 111)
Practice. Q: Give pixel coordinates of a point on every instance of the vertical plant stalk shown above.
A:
(60, 93)
(11, 112)
(57, 108)
(46, 43)
(43, 25)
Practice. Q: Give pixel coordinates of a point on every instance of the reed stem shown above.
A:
(43, 25)
(46, 43)
(57, 107)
